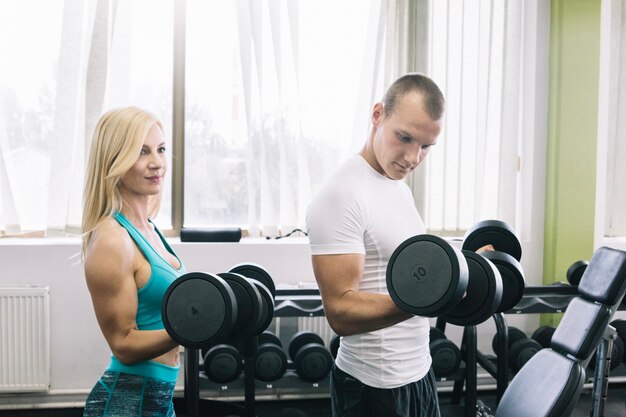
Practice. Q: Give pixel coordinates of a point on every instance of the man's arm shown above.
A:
(348, 310)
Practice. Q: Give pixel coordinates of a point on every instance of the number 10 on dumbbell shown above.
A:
(426, 276)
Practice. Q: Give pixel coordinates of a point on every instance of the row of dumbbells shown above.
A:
(310, 359)
(446, 355)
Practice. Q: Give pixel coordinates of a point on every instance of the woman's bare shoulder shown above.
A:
(110, 246)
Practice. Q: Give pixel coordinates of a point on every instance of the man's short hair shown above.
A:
(434, 102)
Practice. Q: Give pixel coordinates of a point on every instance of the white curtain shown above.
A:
(64, 63)
(615, 221)
(278, 93)
(474, 53)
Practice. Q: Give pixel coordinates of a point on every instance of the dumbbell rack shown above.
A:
(288, 303)
(192, 401)
(307, 303)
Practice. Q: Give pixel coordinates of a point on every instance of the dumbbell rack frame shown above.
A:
(306, 302)
(288, 303)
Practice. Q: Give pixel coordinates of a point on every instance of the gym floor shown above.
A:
(615, 407)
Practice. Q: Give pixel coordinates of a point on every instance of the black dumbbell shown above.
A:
(291, 412)
(222, 363)
(620, 327)
(201, 310)
(270, 361)
(575, 272)
(426, 276)
(445, 354)
(312, 360)
(521, 348)
(543, 335)
(617, 348)
(506, 256)
(334, 345)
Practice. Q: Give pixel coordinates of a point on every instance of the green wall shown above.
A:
(572, 133)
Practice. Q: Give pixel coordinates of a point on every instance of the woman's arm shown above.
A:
(110, 272)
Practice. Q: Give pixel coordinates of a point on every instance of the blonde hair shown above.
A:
(117, 141)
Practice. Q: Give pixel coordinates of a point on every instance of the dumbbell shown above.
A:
(445, 354)
(292, 412)
(270, 361)
(521, 348)
(312, 360)
(575, 272)
(617, 348)
(543, 335)
(223, 363)
(620, 327)
(334, 345)
(426, 276)
(506, 256)
(200, 310)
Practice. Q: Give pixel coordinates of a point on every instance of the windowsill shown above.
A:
(58, 241)
(616, 242)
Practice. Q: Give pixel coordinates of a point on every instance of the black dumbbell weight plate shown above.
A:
(335, 342)
(513, 283)
(426, 276)
(248, 305)
(269, 337)
(521, 351)
(575, 272)
(543, 335)
(446, 357)
(300, 339)
(270, 359)
(496, 233)
(436, 333)
(199, 310)
(620, 327)
(514, 334)
(223, 363)
(484, 293)
(313, 362)
(256, 272)
(266, 312)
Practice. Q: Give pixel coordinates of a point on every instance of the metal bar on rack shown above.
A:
(471, 371)
(192, 384)
(502, 333)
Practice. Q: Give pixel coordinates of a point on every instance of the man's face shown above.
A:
(404, 137)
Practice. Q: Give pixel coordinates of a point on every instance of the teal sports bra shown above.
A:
(150, 296)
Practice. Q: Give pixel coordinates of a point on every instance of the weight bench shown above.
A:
(550, 383)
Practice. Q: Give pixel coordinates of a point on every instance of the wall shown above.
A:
(78, 351)
(571, 152)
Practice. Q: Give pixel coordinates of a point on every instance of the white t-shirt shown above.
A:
(358, 210)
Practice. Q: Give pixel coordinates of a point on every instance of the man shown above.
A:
(355, 222)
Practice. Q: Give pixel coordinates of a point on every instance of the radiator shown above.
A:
(24, 339)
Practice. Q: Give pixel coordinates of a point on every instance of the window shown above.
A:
(271, 98)
(69, 62)
(277, 93)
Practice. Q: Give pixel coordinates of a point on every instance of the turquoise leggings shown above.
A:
(117, 394)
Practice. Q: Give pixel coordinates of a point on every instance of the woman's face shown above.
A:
(146, 176)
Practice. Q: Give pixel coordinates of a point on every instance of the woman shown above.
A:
(129, 265)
